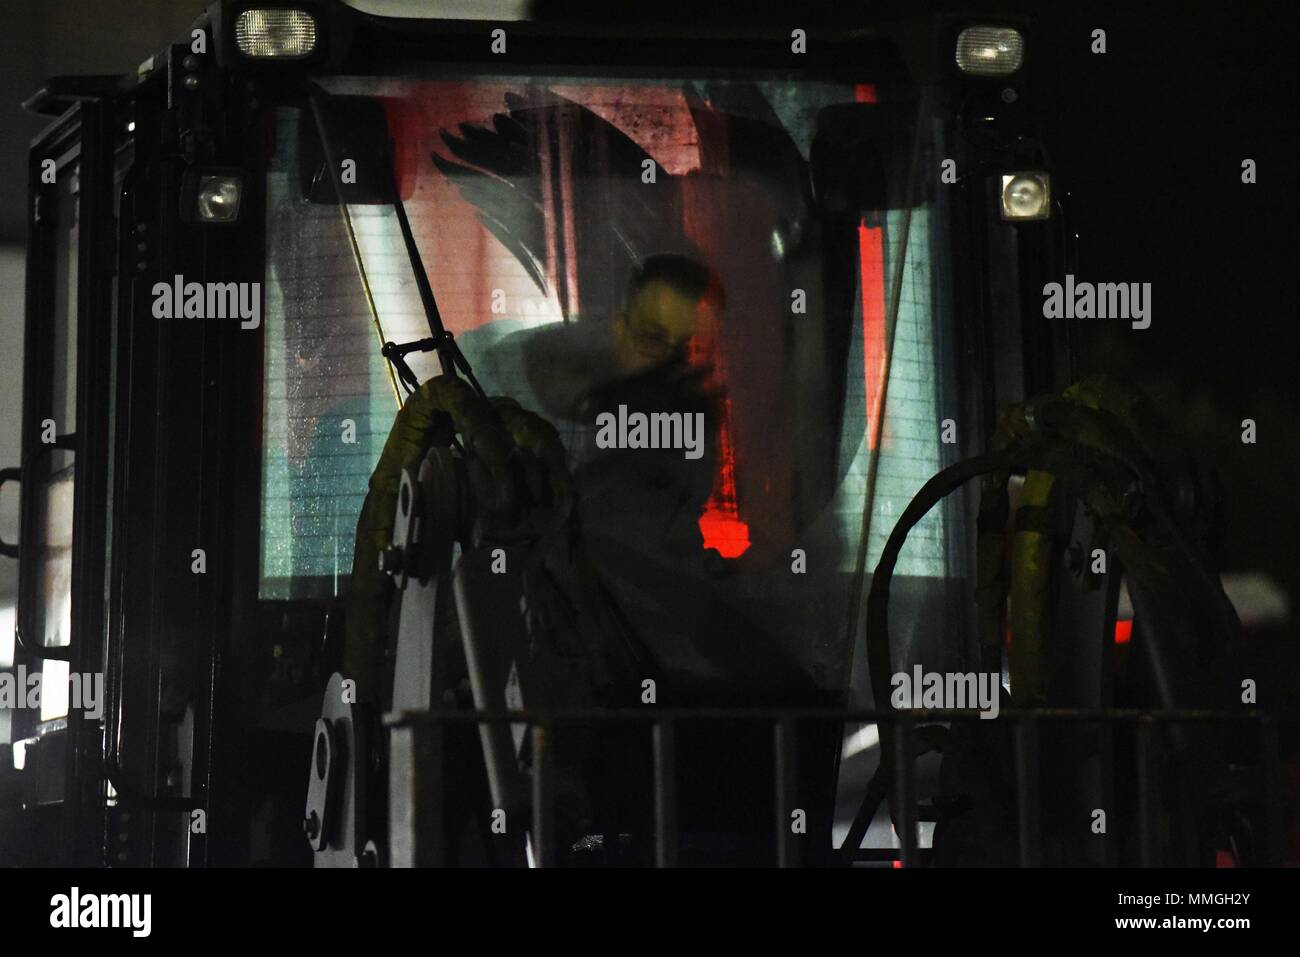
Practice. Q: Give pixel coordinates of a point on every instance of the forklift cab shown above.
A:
(224, 241)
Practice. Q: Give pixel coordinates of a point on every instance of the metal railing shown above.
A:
(425, 729)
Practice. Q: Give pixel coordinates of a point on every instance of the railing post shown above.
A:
(1027, 791)
(904, 792)
(787, 776)
(543, 796)
(1106, 737)
(664, 744)
(1148, 781)
(1271, 773)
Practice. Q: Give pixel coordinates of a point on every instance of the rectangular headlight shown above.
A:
(282, 33)
(990, 51)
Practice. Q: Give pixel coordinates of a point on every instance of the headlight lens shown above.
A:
(280, 33)
(1026, 196)
(990, 51)
(218, 199)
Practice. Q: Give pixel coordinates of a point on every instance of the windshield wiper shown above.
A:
(441, 341)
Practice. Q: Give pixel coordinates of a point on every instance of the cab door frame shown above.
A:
(63, 798)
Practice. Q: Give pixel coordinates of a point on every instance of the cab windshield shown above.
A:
(540, 205)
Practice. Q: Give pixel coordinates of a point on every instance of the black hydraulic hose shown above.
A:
(1062, 420)
(931, 493)
(878, 657)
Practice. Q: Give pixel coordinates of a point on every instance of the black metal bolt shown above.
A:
(391, 560)
(311, 825)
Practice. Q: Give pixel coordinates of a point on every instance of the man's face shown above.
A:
(658, 324)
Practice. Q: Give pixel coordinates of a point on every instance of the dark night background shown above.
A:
(1148, 139)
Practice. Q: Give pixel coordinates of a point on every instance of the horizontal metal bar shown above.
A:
(652, 715)
(889, 854)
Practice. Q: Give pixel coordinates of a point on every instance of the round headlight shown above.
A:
(218, 199)
(1026, 196)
